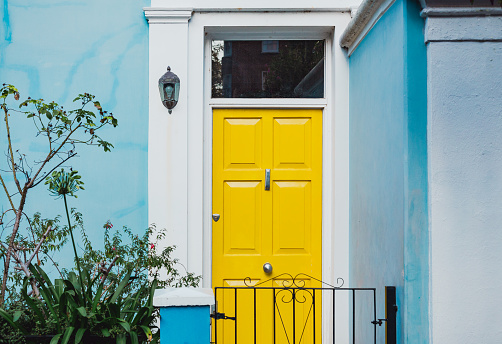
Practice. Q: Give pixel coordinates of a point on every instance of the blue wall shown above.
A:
(388, 167)
(56, 49)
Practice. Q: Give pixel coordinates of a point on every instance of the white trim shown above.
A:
(365, 19)
(272, 103)
(156, 15)
(175, 297)
(259, 33)
(449, 29)
(184, 151)
(329, 266)
(273, 9)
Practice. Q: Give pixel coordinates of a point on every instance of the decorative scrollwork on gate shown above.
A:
(288, 281)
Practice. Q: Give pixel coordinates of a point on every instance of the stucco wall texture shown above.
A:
(465, 188)
(377, 160)
(55, 50)
(388, 167)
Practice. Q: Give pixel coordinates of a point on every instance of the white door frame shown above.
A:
(180, 144)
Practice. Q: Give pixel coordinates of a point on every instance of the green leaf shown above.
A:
(121, 338)
(67, 334)
(97, 297)
(79, 335)
(82, 311)
(17, 315)
(147, 331)
(55, 339)
(121, 286)
(105, 332)
(9, 319)
(134, 337)
(59, 286)
(125, 325)
(31, 304)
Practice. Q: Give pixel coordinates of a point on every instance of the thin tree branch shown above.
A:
(54, 168)
(50, 156)
(10, 147)
(24, 268)
(37, 248)
(7, 193)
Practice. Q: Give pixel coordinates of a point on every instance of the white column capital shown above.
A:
(159, 15)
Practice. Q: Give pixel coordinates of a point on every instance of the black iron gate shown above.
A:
(288, 309)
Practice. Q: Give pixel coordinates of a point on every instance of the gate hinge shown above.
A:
(378, 322)
(219, 316)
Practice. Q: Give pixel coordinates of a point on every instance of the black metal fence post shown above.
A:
(390, 315)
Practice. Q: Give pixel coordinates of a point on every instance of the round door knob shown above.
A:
(267, 267)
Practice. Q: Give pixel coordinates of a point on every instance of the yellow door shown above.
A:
(279, 224)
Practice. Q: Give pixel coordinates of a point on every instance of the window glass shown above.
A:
(267, 69)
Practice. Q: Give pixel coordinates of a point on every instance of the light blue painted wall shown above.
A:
(56, 49)
(416, 233)
(388, 164)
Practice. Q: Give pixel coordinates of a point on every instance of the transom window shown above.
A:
(267, 69)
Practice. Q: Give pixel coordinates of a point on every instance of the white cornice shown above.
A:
(366, 17)
(157, 15)
(463, 28)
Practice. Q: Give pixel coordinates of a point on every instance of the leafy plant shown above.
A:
(69, 310)
(112, 300)
(62, 131)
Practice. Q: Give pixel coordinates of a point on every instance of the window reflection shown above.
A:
(267, 69)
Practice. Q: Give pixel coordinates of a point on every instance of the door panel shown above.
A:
(242, 211)
(281, 225)
(243, 143)
(291, 217)
(292, 143)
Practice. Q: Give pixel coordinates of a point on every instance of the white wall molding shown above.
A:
(257, 5)
(366, 17)
(272, 9)
(459, 28)
(156, 15)
(167, 133)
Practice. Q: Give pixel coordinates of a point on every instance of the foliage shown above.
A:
(62, 183)
(37, 226)
(60, 132)
(110, 292)
(116, 296)
(140, 254)
(216, 70)
(294, 61)
(71, 310)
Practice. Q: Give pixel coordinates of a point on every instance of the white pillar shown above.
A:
(168, 136)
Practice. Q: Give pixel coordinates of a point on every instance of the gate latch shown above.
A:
(379, 322)
(219, 316)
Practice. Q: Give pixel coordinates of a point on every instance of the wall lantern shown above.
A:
(169, 87)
